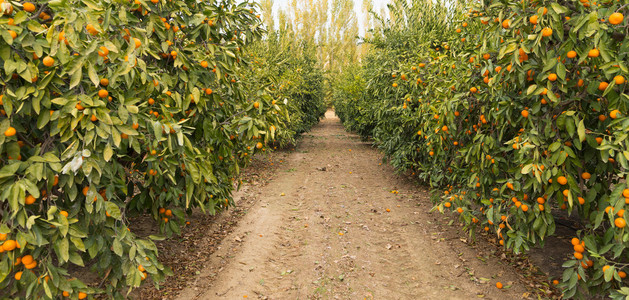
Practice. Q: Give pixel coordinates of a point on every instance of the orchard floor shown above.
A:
(328, 225)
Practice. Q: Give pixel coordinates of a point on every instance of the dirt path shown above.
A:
(322, 230)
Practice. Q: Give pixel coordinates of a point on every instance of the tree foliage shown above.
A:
(116, 108)
(516, 111)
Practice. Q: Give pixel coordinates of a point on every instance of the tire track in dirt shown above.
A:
(321, 230)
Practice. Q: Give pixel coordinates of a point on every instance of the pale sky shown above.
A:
(377, 4)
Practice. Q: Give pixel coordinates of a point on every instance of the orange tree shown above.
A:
(110, 109)
(516, 111)
(289, 72)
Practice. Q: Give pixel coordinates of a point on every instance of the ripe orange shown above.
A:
(562, 180)
(9, 245)
(168, 213)
(593, 53)
(525, 113)
(506, 23)
(533, 20)
(547, 32)
(103, 93)
(586, 175)
(614, 114)
(10, 132)
(602, 86)
(616, 18)
(256, 105)
(48, 61)
(29, 200)
(622, 274)
(93, 118)
(29, 7)
(13, 34)
(473, 89)
(66, 294)
(259, 145)
(499, 285)
(64, 213)
(578, 255)
(18, 276)
(137, 43)
(619, 79)
(103, 51)
(104, 82)
(552, 77)
(620, 222)
(571, 54)
(82, 295)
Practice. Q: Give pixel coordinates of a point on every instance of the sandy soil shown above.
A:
(330, 226)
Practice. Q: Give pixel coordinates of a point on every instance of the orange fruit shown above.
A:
(82, 295)
(64, 213)
(586, 175)
(103, 93)
(93, 118)
(619, 79)
(593, 53)
(256, 105)
(29, 200)
(18, 276)
(506, 23)
(204, 64)
(473, 90)
(9, 245)
(616, 18)
(10, 132)
(575, 241)
(622, 274)
(552, 77)
(614, 114)
(137, 43)
(499, 285)
(533, 20)
(208, 91)
(578, 255)
(27, 259)
(562, 180)
(169, 213)
(13, 34)
(66, 294)
(620, 222)
(602, 86)
(29, 7)
(605, 267)
(571, 54)
(259, 145)
(48, 61)
(625, 193)
(547, 32)
(525, 113)
(104, 82)
(103, 51)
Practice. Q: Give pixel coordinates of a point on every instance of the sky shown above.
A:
(378, 5)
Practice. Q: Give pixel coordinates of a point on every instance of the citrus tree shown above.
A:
(290, 73)
(111, 109)
(515, 111)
